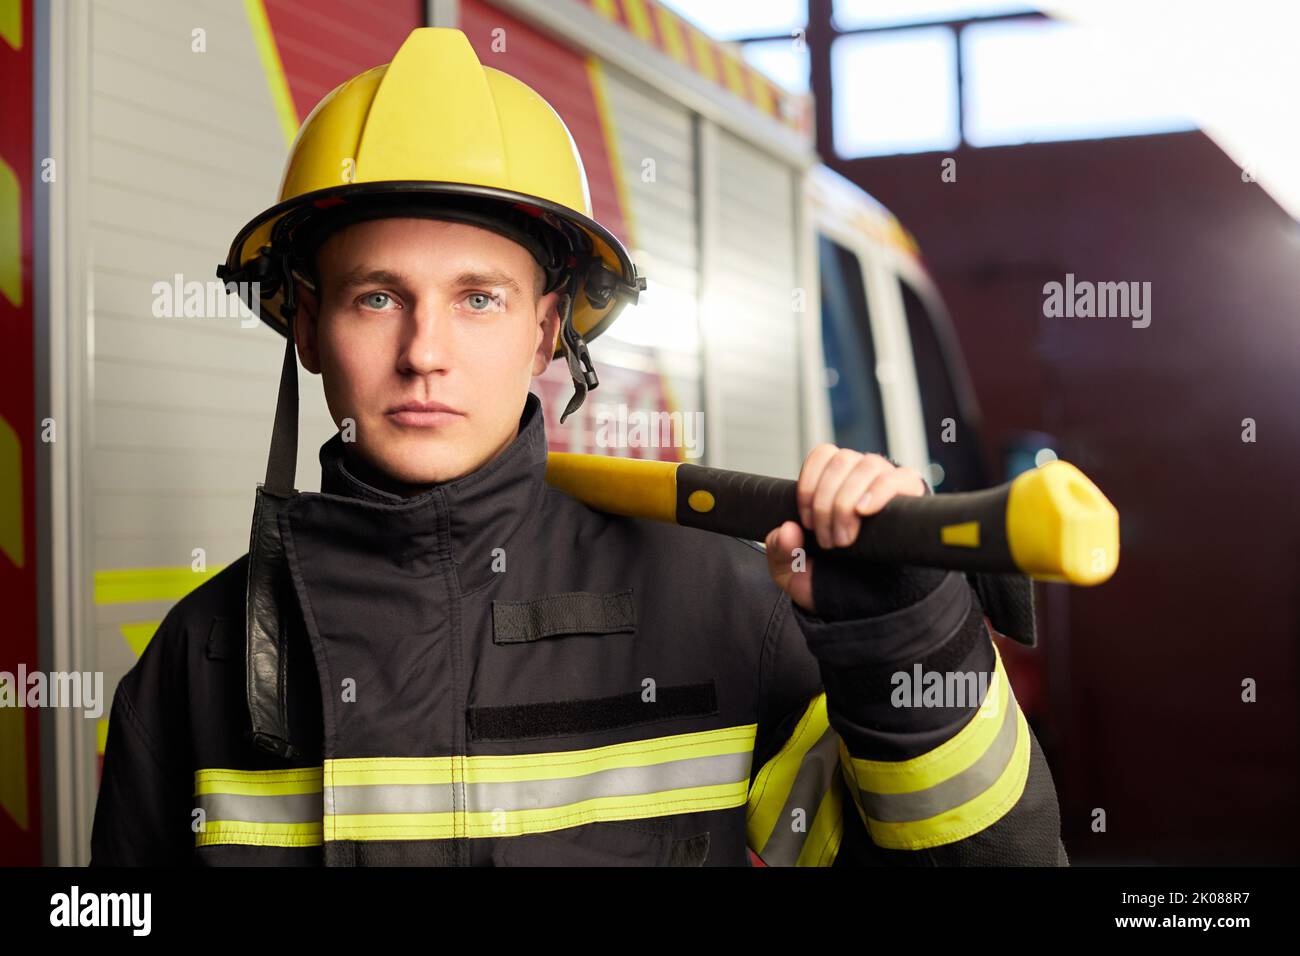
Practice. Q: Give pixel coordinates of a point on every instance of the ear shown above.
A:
(548, 330)
(305, 326)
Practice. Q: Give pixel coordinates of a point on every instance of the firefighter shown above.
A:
(442, 660)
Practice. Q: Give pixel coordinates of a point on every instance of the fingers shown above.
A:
(854, 495)
(782, 540)
(837, 487)
(889, 485)
(793, 577)
(832, 477)
(808, 478)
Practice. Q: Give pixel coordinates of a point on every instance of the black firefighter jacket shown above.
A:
(493, 673)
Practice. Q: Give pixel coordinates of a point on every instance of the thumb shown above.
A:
(791, 571)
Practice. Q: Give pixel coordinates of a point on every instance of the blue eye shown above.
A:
(481, 301)
(376, 300)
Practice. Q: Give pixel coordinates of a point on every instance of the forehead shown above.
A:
(423, 248)
(415, 237)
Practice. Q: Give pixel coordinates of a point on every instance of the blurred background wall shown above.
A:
(1147, 719)
(1019, 148)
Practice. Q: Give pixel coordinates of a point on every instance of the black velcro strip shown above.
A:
(390, 853)
(573, 612)
(560, 717)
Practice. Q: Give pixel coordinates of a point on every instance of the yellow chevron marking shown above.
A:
(11, 494)
(11, 22)
(274, 67)
(138, 634)
(13, 763)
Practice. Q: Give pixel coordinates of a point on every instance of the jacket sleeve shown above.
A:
(897, 784)
(143, 813)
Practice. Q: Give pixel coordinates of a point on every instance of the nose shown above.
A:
(426, 348)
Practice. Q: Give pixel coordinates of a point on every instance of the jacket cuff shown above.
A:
(957, 790)
(844, 589)
(902, 635)
(876, 669)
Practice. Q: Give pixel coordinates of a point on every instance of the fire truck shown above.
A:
(783, 303)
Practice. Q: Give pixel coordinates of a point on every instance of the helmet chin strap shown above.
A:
(581, 369)
(282, 463)
(268, 595)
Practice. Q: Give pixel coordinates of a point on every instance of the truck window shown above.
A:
(856, 411)
(961, 462)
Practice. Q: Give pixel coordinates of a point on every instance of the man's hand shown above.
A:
(838, 487)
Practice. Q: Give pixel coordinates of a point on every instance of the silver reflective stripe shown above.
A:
(817, 772)
(286, 808)
(953, 792)
(389, 798)
(540, 794)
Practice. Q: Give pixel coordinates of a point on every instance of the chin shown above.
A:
(425, 465)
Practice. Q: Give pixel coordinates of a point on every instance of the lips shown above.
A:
(424, 407)
(424, 414)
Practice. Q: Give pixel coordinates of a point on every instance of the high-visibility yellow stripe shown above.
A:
(850, 780)
(773, 782)
(703, 771)
(276, 80)
(969, 818)
(871, 780)
(823, 842)
(514, 768)
(637, 753)
(259, 783)
(380, 771)
(415, 781)
(217, 832)
(718, 796)
(264, 784)
(508, 822)
(949, 758)
(772, 789)
(131, 585)
(412, 798)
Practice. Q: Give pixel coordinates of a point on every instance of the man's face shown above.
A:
(413, 312)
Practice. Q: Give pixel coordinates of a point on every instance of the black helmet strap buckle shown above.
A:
(581, 369)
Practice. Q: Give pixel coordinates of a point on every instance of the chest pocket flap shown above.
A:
(570, 612)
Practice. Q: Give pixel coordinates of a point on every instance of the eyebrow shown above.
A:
(363, 276)
(490, 278)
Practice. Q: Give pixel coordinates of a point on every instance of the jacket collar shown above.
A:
(481, 510)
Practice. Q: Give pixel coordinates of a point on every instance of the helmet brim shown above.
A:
(265, 238)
